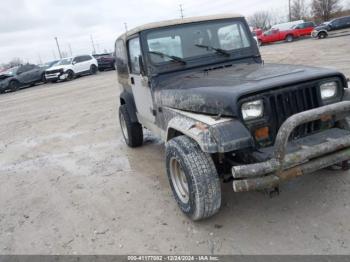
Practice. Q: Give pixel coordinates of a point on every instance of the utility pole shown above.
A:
(126, 27)
(290, 11)
(58, 47)
(93, 45)
(181, 12)
(70, 49)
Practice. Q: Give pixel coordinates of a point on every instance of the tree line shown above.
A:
(310, 10)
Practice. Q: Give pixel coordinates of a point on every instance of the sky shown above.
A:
(28, 27)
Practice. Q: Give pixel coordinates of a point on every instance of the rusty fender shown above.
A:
(284, 166)
(213, 135)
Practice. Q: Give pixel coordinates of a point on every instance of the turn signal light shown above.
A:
(262, 133)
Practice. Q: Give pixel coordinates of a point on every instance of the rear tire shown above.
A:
(93, 70)
(193, 178)
(132, 132)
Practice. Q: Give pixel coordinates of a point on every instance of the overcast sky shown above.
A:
(28, 27)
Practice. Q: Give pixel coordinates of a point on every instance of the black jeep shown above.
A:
(201, 85)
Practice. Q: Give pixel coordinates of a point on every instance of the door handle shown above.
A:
(132, 80)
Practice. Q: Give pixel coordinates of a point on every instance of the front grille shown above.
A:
(291, 101)
(50, 72)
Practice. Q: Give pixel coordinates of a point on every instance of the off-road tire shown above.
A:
(93, 70)
(14, 85)
(289, 38)
(204, 190)
(322, 35)
(134, 136)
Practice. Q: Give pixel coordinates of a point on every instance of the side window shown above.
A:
(134, 53)
(78, 59)
(233, 37)
(86, 58)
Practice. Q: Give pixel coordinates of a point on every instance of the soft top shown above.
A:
(180, 21)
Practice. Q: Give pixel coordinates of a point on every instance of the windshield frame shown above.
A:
(202, 60)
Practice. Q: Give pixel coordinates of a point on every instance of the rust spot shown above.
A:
(201, 126)
(291, 173)
(326, 118)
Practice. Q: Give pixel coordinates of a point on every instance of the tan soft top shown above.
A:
(186, 20)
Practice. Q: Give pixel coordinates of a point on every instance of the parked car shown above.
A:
(275, 35)
(303, 29)
(200, 84)
(69, 68)
(336, 27)
(105, 61)
(17, 77)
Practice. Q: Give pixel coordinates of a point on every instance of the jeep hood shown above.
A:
(218, 90)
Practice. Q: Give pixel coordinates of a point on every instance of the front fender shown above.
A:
(213, 136)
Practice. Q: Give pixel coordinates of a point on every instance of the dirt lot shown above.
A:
(69, 185)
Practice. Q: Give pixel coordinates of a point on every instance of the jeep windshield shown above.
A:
(195, 41)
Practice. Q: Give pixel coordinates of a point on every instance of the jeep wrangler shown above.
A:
(201, 85)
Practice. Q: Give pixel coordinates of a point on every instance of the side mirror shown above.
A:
(141, 66)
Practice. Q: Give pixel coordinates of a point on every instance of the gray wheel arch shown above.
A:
(127, 99)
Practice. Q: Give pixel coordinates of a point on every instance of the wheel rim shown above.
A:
(123, 127)
(179, 180)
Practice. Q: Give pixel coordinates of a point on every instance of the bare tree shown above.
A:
(298, 10)
(261, 19)
(324, 9)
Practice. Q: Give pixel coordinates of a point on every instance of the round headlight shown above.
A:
(253, 110)
(328, 90)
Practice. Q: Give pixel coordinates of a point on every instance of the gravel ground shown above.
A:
(69, 185)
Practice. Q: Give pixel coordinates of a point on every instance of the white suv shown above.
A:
(68, 68)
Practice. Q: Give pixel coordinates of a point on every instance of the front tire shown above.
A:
(14, 85)
(132, 132)
(322, 35)
(289, 38)
(193, 178)
(70, 75)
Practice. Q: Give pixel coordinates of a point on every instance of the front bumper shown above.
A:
(314, 34)
(56, 76)
(284, 165)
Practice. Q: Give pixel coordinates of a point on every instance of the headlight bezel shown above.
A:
(338, 93)
(253, 118)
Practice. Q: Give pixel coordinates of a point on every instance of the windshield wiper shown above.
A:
(173, 58)
(217, 50)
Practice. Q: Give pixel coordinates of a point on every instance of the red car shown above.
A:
(275, 35)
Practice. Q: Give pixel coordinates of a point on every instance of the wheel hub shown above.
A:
(123, 127)
(179, 180)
